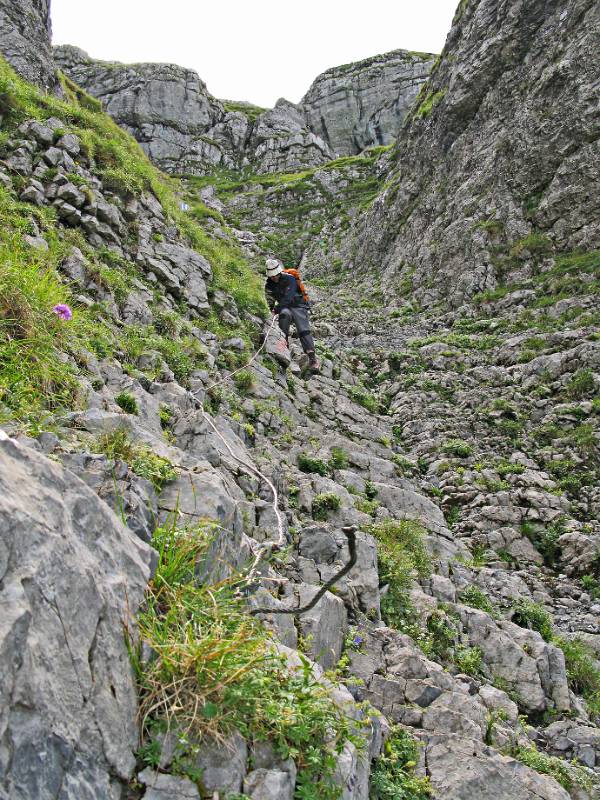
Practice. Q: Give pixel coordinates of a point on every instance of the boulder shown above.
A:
(72, 576)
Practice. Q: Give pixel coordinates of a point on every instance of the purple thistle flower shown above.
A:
(63, 311)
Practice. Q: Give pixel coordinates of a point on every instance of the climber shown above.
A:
(287, 297)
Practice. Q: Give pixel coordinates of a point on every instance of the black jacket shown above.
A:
(284, 293)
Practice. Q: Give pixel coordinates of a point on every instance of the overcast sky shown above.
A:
(256, 50)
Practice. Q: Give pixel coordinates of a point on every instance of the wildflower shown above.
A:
(357, 641)
(63, 311)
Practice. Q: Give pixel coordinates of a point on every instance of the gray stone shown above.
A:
(269, 784)
(324, 626)
(71, 574)
(364, 103)
(223, 764)
(25, 35)
(167, 787)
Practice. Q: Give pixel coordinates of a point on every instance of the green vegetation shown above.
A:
(429, 102)
(401, 554)
(545, 539)
(531, 615)
(249, 110)
(535, 243)
(35, 380)
(215, 670)
(457, 447)
(591, 586)
(308, 463)
(581, 384)
(568, 775)
(322, 504)
(142, 460)
(338, 459)
(364, 399)
(582, 672)
(127, 402)
(469, 660)
(475, 597)
(392, 776)
(244, 380)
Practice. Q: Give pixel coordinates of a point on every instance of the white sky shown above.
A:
(256, 51)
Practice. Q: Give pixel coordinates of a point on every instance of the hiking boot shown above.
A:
(313, 363)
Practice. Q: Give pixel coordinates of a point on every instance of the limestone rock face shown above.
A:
(502, 144)
(183, 128)
(364, 103)
(25, 40)
(165, 107)
(72, 576)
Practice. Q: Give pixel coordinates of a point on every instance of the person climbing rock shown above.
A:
(287, 297)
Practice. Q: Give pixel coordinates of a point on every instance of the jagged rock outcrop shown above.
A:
(499, 157)
(72, 578)
(183, 128)
(364, 104)
(25, 40)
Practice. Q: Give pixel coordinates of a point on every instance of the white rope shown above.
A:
(254, 357)
(281, 541)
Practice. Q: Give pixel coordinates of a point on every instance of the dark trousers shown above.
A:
(299, 316)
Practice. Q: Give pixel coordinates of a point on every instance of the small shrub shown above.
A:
(441, 636)
(116, 445)
(474, 597)
(307, 463)
(404, 465)
(323, 503)
(545, 539)
(582, 671)
(371, 490)
(528, 614)
(469, 660)
(153, 468)
(568, 775)
(392, 776)
(166, 416)
(401, 553)
(366, 506)
(581, 384)
(244, 380)
(215, 669)
(338, 459)
(364, 399)
(127, 402)
(505, 468)
(457, 447)
(591, 586)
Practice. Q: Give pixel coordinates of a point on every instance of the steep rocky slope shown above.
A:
(363, 104)
(498, 159)
(459, 448)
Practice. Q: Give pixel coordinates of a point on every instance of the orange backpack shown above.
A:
(301, 286)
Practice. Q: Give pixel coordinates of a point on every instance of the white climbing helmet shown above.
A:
(274, 267)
